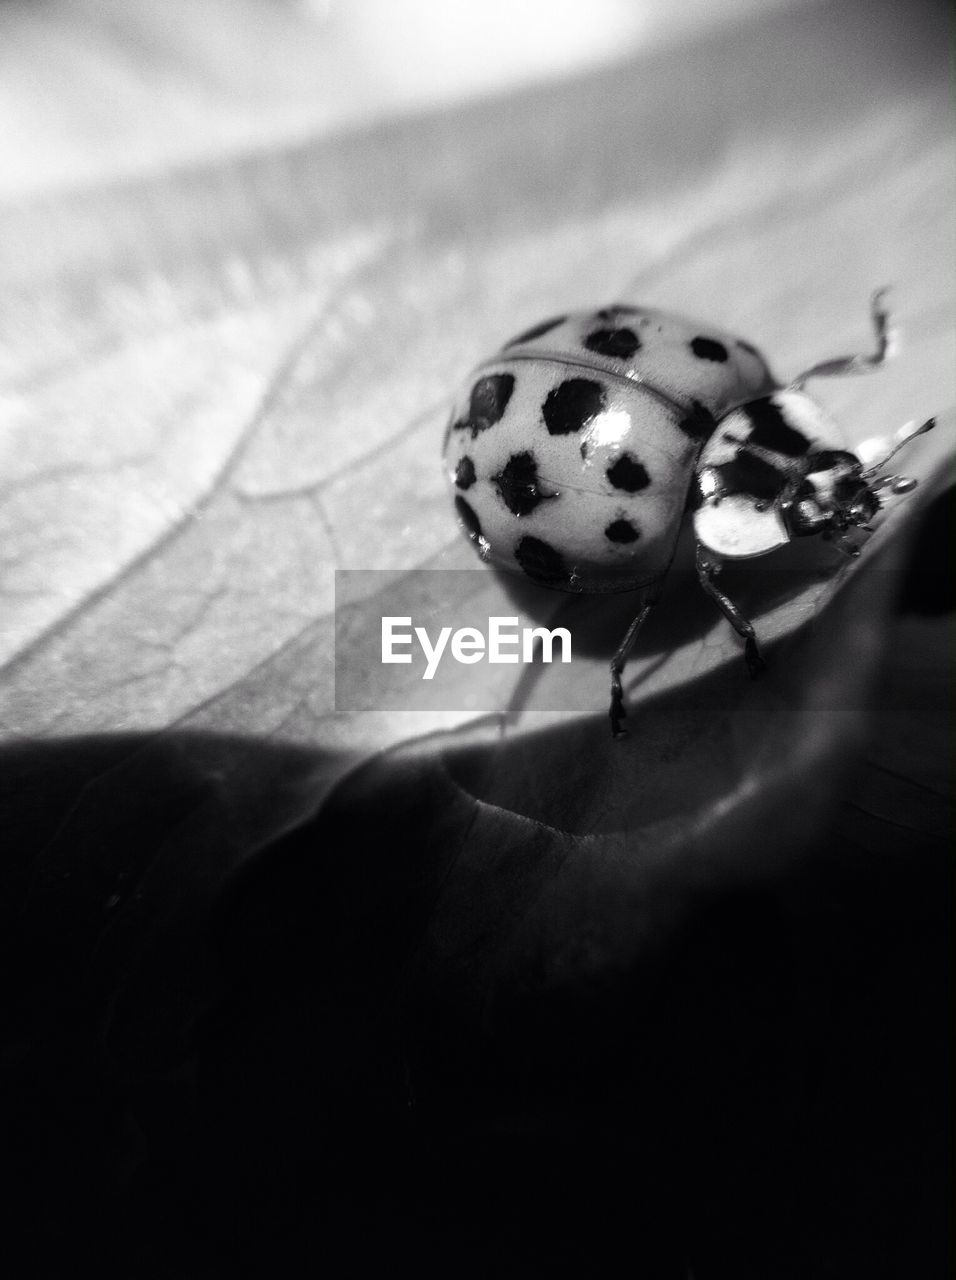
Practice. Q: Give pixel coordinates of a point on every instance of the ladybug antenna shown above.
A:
(876, 452)
(884, 335)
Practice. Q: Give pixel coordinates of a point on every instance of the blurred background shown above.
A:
(97, 89)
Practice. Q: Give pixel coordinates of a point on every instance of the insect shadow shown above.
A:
(681, 614)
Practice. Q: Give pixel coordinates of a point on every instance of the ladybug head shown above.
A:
(860, 507)
(833, 496)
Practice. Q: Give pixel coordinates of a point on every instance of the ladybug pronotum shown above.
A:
(575, 453)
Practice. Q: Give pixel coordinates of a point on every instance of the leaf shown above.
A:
(198, 437)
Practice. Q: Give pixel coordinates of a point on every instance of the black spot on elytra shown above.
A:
(628, 474)
(750, 475)
(572, 405)
(620, 343)
(700, 423)
(621, 531)
(466, 515)
(709, 349)
(542, 562)
(536, 331)
(772, 431)
(465, 473)
(518, 484)
(488, 401)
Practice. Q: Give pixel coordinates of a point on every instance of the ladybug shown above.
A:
(576, 452)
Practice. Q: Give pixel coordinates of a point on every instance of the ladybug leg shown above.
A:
(880, 318)
(617, 711)
(707, 571)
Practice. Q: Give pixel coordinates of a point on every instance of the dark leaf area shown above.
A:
(463, 1024)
